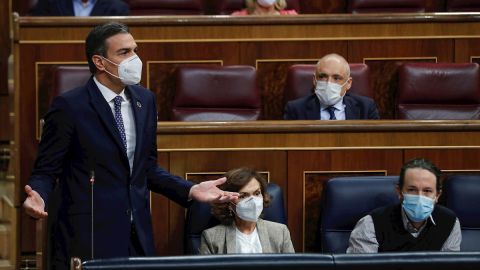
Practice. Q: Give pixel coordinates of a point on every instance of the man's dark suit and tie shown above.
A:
(106, 128)
(331, 101)
(66, 8)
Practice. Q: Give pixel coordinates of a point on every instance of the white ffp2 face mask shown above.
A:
(329, 93)
(129, 70)
(249, 209)
(266, 3)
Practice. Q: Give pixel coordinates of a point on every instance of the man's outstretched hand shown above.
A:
(208, 191)
(34, 204)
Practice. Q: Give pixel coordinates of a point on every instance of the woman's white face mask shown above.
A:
(250, 208)
(266, 3)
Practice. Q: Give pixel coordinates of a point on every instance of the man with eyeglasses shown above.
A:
(331, 100)
(418, 223)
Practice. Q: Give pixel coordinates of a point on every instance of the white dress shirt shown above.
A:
(127, 116)
(247, 243)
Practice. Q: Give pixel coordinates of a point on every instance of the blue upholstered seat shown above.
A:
(347, 199)
(462, 196)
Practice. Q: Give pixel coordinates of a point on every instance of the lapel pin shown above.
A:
(139, 105)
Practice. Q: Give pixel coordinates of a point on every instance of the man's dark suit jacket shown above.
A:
(79, 137)
(65, 8)
(308, 108)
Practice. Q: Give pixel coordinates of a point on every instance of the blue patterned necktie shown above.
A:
(331, 111)
(117, 101)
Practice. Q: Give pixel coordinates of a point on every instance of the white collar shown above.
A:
(107, 93)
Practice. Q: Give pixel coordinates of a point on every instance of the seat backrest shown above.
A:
(299, 82)
(438, 91)
(462, 5)
(216, 93)
(379, 6)
(293, 4)
(199, 217)
(166, 7)
(462, 196)
(348, 199)
(69, 77)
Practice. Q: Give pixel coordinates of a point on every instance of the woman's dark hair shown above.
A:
(95, 41)
(236, 180)
(421, 163)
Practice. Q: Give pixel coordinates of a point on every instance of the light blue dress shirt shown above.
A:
(339, 111)
(82, 9)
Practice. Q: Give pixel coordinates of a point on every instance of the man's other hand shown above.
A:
(208, 191)
(34, 204)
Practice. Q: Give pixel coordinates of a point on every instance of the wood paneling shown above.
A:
(466, 49)
(466, 160)
(297, 135)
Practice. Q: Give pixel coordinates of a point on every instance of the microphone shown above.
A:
(92, 182)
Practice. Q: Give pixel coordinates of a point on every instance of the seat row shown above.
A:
(170, 7)
(230, 93)
(199, 7)
(346, 200)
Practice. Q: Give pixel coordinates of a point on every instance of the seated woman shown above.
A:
(242, 231)
(265, 7)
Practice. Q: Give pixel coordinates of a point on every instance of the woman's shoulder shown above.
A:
(271, 225)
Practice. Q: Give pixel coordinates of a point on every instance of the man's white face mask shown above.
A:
(329, 93)
(129, 70)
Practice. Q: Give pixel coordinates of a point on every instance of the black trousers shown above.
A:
(135, 249)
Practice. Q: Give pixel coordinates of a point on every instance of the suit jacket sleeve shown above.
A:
(373, 112)
(158, 179)
(54, 145)
(122, 9)
(289, 112)
(42, 8)
(110, 8)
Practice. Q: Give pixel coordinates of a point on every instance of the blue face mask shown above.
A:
(417, 207)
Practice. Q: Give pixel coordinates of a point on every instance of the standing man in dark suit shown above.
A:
(80, 8)
(100, 139)
(331, 101)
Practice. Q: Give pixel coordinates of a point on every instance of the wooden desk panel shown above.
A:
(310, 152)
